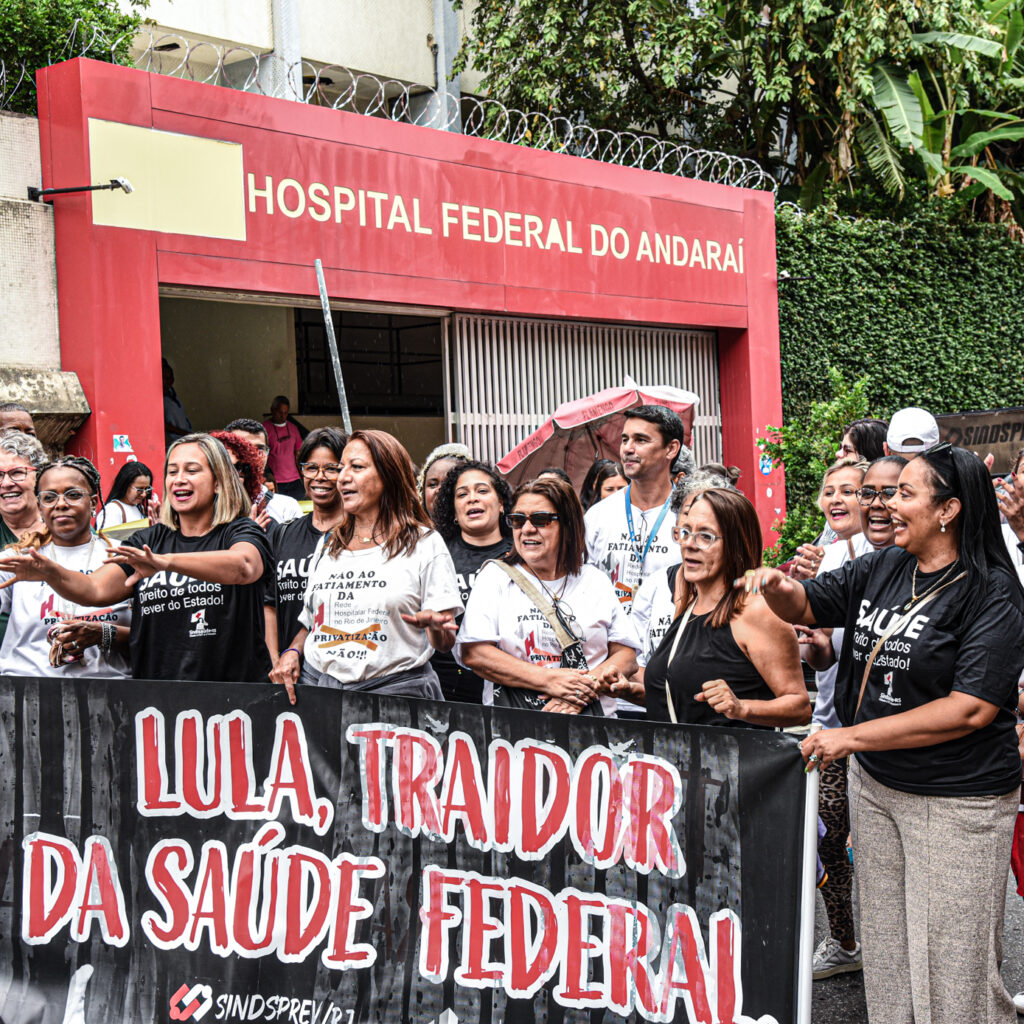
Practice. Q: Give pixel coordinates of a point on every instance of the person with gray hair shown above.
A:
(14, 416)
(20, 456)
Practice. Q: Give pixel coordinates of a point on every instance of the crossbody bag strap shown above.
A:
(540, 599)
(897, 624)
(671, 658)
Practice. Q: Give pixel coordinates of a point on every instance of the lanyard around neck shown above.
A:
(641, 553)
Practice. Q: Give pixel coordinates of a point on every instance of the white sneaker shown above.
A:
(830, 958)
(1018, 1002)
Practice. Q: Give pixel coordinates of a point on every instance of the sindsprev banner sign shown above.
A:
(178, 852)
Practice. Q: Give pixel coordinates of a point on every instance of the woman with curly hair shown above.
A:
(470, 510)
(196, 579)
(48, 635)
(381, 596)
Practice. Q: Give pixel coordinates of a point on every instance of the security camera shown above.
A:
(122, 183)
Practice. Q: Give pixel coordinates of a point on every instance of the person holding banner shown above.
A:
(46, 634)
(196, 579)
(726, 660)
(128, 497)
(294, 542)
(926, 693)
(381, 595)
(470, 509)
(545, 631)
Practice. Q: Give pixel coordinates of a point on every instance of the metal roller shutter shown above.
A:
(507, 375)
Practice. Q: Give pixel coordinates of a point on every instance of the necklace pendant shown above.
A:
(908, 606)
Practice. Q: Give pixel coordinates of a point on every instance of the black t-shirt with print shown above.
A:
(459, 683)
(184, 628)
(934, 651)
(293, 544)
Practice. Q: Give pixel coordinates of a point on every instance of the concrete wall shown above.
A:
(386, 38)
(229, 359)
(28, 284)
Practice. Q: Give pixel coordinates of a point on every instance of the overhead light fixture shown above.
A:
(35, 194)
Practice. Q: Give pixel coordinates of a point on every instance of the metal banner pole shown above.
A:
(332, 343)
(808, 881)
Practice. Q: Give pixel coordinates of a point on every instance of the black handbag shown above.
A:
(571, 647)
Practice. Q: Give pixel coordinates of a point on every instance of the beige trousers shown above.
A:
(931, 873)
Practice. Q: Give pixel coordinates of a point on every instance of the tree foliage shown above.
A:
(37, 33)
(820, 92)
(878, 314)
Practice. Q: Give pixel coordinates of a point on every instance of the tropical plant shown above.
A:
(36, 33)
(806, 447)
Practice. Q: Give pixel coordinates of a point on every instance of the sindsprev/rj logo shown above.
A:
(191, 1003)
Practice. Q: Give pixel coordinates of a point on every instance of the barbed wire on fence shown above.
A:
(342, 88)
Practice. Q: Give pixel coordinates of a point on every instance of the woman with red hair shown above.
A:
(382, 593)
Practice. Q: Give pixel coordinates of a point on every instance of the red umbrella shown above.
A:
(590, 428)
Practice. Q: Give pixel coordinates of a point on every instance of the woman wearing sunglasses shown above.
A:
(48, 635)
(560, 648)
(294, 542)
(726, 659)
(128, 497)
(381, 595)
(926, 693)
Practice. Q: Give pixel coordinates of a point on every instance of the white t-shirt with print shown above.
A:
(610, 549)
(836, 555)
(653, 611)
(354, 603)
(34, 609)
(500, 613)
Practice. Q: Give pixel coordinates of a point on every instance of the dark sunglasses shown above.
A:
(867, 495)
(517, 520)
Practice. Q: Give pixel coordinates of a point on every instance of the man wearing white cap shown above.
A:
(911, 431)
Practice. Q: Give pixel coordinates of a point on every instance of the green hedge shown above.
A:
(924, 311)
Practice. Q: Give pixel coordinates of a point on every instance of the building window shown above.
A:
(391, 364)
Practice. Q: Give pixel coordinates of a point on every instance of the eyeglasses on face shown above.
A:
(517, 520)
(16, 476)
(73, 496)
(310, 470)
(846, 449)
(702, 539)
(868, 495)
(264, 449)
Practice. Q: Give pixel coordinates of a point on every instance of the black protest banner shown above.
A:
(996, 432)
(190, 851)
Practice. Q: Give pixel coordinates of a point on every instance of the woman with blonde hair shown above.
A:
(196, 579)
(48, 635)
(381, 595)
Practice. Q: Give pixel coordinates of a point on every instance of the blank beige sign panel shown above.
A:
(184, 185)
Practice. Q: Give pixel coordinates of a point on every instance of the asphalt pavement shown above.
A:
(840, 999)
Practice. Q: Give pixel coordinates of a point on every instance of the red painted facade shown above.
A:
(481, 226)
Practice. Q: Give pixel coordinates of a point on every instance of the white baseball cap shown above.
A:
(912, 430)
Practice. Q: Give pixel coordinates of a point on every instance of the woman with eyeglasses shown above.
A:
(726, 660)
(294, 542)
(926, 693)
(507, 636)
(196, 579)
(470, 509)
(48, 635)
(128, 497)
(839, 952)
(381, 595)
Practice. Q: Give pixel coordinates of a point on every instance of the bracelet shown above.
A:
(295, 649)
(107, 637)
